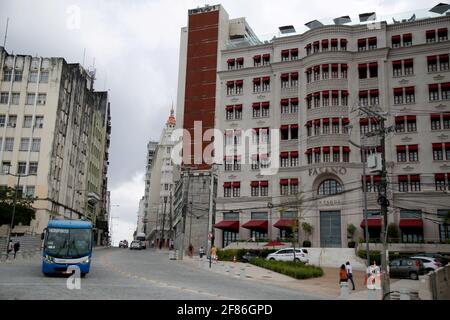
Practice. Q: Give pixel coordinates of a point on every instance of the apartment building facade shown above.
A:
(151, 148)
(55, 135)
(308, 87)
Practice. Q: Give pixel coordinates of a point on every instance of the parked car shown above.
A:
(287, 254)
(430, 263)
(123, 244)
(248, 256)
(406, 268)
(136, 245)
(444, 260)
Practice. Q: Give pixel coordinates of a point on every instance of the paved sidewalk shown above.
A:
(326, 286)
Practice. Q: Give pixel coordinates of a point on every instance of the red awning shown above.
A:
(231, 225)
(409, 62)
(240, 60)
(446, 116)
(266, 79)
(437, 146)
(294, 75)
(294, 182)
(442, 32)
(284, 127)
(371, 223)
(334, 42)
(335, 120)
(445, 86)
(335, 93)
(229, 108)
(413, 147)
(294, 101)
(345, 121)
(239, 82)
(431, 33)
(396, 39)
(256, 225)
(230, 83)
(414, 178)
(411, 223)
(403, 178)
(411, 118)
(254, 184)
(409, 90)
(345, 149)
(294, 51)
(316, 43)
(401, 148)
(432, 58)
(284, 182)
(325, 43)
(325, 67)
(284, 155)
(257, 57)
(285, 53)
(374, 92)
(230, 61)
(435, 116)
(362, 66)
(285, 223)
(236, 184)
(344, 93)
(372, 40)
(284, 102)
(336, 149)
(238, 107)
(397, 63)
(266, 56)
(227, 184)
(362, 41)
(326, 149)
(439, 176)
(317, 150)
(325, 94)
(309, 151)
(265, 104)
(364, 121)
(363, 94)
(308, 46)
(284, 76)
(344, 66)
(294, 154)
(433, 86)
(443, 57)
(256, 105)
(343, 42)
(316, 94)
(398, 90)
(399, 119)
(257, 80)
(308, 124)
(294, 126)
(326, 120)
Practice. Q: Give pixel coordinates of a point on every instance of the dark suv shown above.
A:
(406, 268)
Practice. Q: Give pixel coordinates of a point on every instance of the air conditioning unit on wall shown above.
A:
(374, 162)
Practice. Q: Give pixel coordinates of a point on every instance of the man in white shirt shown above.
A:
(349, 269)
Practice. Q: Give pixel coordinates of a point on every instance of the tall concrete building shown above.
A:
(207, 34)
(307, 87)
(161, 184)
(151, 148)
(55, 134)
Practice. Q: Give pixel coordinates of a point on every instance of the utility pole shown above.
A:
(161, 244)
(170, 219)
(185, 204)
(366, 214)
(211, 216)
(382, 197)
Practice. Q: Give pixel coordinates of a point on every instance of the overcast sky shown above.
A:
(135, 44)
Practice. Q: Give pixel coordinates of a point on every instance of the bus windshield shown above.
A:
(68, 243)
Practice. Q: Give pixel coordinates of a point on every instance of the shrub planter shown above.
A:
(292, 269)
(307, 244)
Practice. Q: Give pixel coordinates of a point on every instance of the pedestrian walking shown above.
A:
(373, 277)
(153, 243)
(201, 252)
(171, 244)
(191, 250)
(16, 248)
(9, 248)
(343, 277)
(214, 254)
(349, 269)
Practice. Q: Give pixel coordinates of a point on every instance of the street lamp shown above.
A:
(8, 238)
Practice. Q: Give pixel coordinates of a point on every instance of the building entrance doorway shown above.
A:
(330, 229)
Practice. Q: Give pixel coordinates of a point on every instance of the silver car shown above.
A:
(287, 254)
(135, 245)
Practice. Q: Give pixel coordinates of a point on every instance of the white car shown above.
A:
(430, 264)
(287, 254)
(135, 245)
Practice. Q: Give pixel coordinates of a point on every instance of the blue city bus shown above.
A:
(67, 243)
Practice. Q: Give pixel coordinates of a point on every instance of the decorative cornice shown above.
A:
(443, 136)
(403, 81)
(438, 77)
(440, 106)
(408, 168)
(406, 139)
(445, 167)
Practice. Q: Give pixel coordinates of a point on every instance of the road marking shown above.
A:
(107, 263)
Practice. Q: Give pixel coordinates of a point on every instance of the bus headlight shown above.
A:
(49, 259)
(85, 261)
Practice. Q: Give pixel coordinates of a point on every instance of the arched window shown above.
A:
(329, 187)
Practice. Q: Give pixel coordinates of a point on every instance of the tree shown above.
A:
(393, 233)
(351, 229)
(24, 210)
(307, 229)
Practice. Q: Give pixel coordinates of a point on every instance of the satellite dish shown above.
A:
(314, 24)
(342, 20)
(440, 8)
(371, 16)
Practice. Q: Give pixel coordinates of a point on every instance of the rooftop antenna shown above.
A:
(84, 56)
(6, 32)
